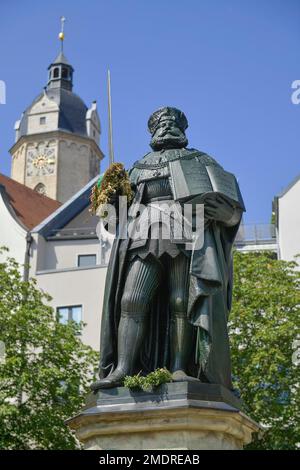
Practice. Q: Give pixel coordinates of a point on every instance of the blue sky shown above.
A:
(228, 64)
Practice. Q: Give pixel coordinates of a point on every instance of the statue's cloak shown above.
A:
(209, 303)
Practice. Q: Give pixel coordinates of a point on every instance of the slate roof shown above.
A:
(66, 212)
(61, 59)
(72, 111)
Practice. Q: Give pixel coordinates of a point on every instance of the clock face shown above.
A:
(41, 161)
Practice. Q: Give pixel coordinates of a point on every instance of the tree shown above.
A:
(264, 326)
(45, 371)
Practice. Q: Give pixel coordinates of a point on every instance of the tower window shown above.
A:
(56, 72)
(42, 120)
(65, 73)
(41, 189)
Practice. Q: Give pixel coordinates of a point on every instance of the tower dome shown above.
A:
(58, 97)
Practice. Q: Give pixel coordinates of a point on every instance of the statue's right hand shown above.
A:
(113, 198)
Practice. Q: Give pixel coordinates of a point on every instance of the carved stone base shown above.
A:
(175, 416)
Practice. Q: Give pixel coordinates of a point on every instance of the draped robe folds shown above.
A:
(209, 303)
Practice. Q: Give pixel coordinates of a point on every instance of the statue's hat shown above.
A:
(167, 113)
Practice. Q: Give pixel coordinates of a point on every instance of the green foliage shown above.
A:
(148, 382)
(264, 324)
(45, 372)
(273, 218)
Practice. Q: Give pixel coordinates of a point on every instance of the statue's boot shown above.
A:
(181, 348)
(131, 333)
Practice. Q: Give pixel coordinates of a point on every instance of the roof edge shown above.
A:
(288, 187)
(67, 211)
(10, 208)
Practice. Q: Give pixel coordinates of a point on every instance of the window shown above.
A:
(86, 260)
(41, 189)
(42, 120)
(71, 313)
(56, 72)
(65, 73)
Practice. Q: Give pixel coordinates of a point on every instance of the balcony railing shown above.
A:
(251, 233)
(256, 234)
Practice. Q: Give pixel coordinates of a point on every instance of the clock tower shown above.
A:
(56, 150)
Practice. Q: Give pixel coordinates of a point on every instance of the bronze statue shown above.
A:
(166, 305)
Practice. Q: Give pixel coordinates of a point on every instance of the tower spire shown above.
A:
(61, 71)
(61, 35)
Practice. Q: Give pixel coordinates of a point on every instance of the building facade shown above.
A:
(68, 258)
(21, 209)
(287, 220)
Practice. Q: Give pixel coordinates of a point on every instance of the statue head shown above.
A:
(167, 127)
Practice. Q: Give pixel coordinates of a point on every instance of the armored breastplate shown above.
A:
(156, 190)
(155, 165)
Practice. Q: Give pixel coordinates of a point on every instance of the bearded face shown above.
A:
(168, 136)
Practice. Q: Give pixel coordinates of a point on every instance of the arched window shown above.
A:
(65, 73)
(41, 189)
(56, 72)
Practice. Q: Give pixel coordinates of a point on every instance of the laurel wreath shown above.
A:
(114, 182)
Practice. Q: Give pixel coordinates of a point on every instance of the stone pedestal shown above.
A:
(175, 416)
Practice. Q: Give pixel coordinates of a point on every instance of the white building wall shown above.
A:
(85, 287)
(12, 235)
(64, 254)
(54, 266)
(289, 223)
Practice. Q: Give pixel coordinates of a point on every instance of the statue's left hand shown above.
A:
(218, 209)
